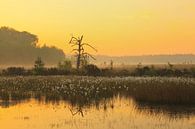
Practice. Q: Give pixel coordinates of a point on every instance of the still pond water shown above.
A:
(118, 113)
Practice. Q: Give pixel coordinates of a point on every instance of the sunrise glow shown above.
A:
(115, 27)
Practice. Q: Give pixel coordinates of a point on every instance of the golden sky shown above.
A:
(114, 27)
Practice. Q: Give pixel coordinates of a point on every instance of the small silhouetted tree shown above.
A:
(139, 65)
(65, 65)
(80, 53)
(39, 66)
(170, 65)
(111, 64)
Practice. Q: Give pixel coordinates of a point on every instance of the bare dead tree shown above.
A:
(79, 51)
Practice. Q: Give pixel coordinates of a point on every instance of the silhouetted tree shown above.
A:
(170, 65)
(65, 65)
(111, 64)
(80, 53)
(39, 66)
(139, 65)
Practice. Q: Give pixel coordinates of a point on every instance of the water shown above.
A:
(118, 113)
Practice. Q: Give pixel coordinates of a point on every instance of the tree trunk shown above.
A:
(79, 53)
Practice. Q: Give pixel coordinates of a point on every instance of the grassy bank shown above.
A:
(91, 90)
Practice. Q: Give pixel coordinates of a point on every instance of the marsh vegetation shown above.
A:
(91, 90)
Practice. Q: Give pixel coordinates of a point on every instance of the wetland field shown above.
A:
(72, 102)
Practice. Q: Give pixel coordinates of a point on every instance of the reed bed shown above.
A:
(91, 90)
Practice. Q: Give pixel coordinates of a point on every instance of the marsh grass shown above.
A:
(84, 91)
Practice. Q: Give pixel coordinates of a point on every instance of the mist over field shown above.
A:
(146, 59)
(20, 48)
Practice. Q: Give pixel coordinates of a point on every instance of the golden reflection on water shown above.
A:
(118, 114)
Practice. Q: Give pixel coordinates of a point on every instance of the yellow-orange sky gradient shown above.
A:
(114, 27)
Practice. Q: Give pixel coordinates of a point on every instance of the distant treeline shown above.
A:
(21, 48)
(65, 68)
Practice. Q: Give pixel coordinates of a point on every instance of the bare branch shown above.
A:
(73, 45)
(86, 44)
(73, 39)
(74, 50)
(87, 54)
(76, 54)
